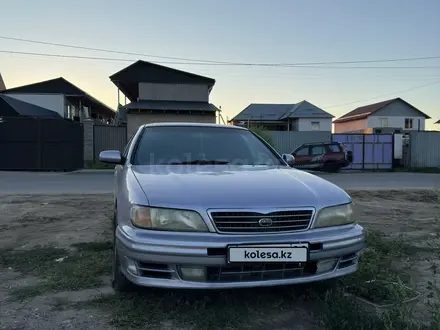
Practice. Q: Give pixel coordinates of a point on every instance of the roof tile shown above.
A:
(367, 110)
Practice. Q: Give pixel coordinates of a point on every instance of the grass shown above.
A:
(239, 309)
(383, 292)
(389, 286)
(333, 304)
(234, 309)
(199, 310)
(59, 269)
(382, 263)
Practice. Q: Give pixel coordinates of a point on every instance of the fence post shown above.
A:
(39, 143)
(363, 151)
(88, 125)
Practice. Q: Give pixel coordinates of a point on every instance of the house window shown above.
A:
(383, 122)
(315, 126)
(408, 123)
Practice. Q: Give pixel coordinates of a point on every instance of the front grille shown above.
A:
(242, 222)
(260, 272)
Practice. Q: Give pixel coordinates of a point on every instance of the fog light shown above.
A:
(131, 266)
(325, 265)
(193, 273)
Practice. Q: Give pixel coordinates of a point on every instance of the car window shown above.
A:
(334, 148)
(127, 146)
(318, 150)
(185, 144)
(302, 152)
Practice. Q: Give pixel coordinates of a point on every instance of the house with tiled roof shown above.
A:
(302, 116)
(392, 114)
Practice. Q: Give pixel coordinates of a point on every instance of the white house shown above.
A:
(302, 116)
(393, 114)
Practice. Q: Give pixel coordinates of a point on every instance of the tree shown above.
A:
(264, 134)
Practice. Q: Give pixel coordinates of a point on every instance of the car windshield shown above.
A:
(192, 145)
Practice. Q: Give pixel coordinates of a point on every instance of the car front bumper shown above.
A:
(162, 259)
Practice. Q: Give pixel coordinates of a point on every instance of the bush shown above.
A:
(264, 134)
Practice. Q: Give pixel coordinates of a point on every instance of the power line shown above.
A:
(218, 62)
(211, 64)
(67, 56)
(105, 50)
(278, 74)
(384, 95)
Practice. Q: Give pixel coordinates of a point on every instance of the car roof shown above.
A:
(319, 143)
(176, 124)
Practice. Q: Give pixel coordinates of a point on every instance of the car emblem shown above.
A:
(265, 222)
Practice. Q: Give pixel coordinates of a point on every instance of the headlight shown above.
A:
(335, 216)
(166, 219)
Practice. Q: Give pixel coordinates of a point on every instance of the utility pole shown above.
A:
(220, 117)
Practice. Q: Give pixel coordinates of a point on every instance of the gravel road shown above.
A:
(95, 182)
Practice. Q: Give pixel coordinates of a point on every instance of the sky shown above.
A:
(245, 31)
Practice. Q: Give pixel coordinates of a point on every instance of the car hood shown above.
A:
(219, 186)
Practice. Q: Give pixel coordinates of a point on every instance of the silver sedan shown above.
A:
(205, 206)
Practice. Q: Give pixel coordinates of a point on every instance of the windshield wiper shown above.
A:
(201, 162)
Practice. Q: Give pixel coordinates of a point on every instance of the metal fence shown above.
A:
(375, 150)
(370, 151)
(286, 142)
(424, 149)
(41, 144)
(106, 137)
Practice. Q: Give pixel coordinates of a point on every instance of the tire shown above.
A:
(119, 282)
(331, 167)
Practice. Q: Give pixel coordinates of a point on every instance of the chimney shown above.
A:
(2, 83)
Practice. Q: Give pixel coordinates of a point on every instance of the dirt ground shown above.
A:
(29, 224)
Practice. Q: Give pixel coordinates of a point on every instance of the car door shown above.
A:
(317, 154)
(302, 157)
(335, 153)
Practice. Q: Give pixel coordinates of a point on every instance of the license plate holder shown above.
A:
(268, 253)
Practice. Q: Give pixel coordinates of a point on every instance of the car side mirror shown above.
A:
(289, 159)
(111, 157)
